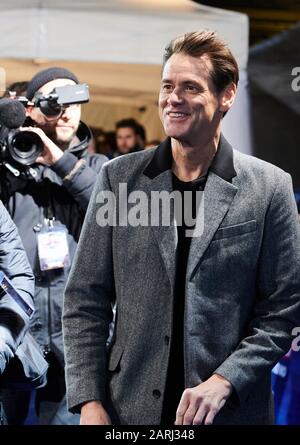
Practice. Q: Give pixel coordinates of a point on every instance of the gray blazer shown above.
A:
(242, 291)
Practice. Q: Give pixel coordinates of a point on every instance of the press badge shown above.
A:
(53, 249)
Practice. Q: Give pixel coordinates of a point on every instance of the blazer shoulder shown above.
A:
(260, 169)
(132, 164)
(260, 178)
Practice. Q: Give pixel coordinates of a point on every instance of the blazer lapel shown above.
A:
(166, 236)
(218, 196)
(159, 175)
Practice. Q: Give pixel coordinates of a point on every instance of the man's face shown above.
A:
(60, 130)
(188, 102)
(126, 139)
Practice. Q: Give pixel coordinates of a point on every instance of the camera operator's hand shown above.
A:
(51, 153)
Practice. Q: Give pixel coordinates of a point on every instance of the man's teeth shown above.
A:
(171, 113)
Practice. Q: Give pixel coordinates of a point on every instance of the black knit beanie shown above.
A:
(45, 76)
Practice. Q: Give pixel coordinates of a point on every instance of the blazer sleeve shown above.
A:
(277, 308)
(87, 312)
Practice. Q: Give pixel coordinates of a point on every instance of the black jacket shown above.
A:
(14, 264)
(62, 191)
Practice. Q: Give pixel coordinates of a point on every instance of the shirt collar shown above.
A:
(222, 164)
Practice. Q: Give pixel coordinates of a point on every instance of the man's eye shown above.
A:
(191, 88)
(166, 87)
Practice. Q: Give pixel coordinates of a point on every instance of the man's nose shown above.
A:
(175, 96)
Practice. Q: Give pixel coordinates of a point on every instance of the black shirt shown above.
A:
(175, 376)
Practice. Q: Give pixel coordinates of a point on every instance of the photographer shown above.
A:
(48, 205)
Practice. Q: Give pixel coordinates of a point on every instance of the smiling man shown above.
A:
(201, 320)
(47, 202)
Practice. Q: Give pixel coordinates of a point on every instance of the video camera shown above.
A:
(23, 147)
(53, 104)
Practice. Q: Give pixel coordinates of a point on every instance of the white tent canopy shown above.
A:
(115, 46)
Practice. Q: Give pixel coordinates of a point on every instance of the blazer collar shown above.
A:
(222, 164)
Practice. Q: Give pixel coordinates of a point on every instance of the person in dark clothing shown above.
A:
(14, 264)
(14, 321)
(47, 203)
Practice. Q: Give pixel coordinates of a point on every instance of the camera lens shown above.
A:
(24, 146)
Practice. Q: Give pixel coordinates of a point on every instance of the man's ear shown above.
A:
(227, 97)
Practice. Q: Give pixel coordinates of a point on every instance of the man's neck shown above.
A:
(190, 162)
